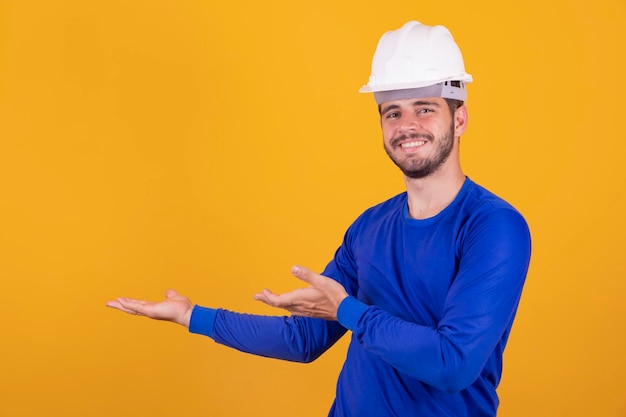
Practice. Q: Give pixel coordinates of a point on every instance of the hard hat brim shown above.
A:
(466, 78)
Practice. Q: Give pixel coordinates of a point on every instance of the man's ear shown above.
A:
(460, 120)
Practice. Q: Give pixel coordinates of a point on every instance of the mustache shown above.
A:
(403, 137)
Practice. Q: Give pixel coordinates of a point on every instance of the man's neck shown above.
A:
(428, 196)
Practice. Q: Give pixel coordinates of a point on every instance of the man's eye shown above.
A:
(392, 115)
(424, 111)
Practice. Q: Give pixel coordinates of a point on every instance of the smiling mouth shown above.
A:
(414, 144)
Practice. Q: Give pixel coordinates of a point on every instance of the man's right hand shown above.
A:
(175, 308)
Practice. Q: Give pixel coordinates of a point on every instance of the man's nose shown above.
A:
(409, 123)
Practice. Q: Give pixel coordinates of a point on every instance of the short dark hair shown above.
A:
(453, 105)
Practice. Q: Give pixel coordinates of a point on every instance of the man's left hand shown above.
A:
(320, 299)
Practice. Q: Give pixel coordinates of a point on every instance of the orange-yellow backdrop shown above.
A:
(207, 146)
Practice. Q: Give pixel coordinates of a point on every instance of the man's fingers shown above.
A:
(170, 293)
(116, 304)
(267, 297)
(304, 274)
(276, 300)
(132, 306)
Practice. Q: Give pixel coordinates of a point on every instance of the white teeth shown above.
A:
(413, 144)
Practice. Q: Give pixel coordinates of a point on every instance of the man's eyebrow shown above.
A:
(415, 103)
(425, 103)
(386, 109)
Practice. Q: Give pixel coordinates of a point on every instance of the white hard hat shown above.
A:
(417, 56)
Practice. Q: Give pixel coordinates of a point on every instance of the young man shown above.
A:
(428, 281)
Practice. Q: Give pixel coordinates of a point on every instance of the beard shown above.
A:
(416, 168)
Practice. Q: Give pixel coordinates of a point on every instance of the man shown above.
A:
(427, 281)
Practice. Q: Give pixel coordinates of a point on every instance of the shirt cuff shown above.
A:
(349, 312)
(202, 320)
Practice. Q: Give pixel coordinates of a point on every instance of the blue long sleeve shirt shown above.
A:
(430, 309)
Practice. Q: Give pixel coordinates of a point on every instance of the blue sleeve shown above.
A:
(478, 313)
(292, 338)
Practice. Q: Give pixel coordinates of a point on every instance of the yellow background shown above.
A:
(207, 146)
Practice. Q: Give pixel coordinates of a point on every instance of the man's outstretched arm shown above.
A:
(175, 308)
(294, 338)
